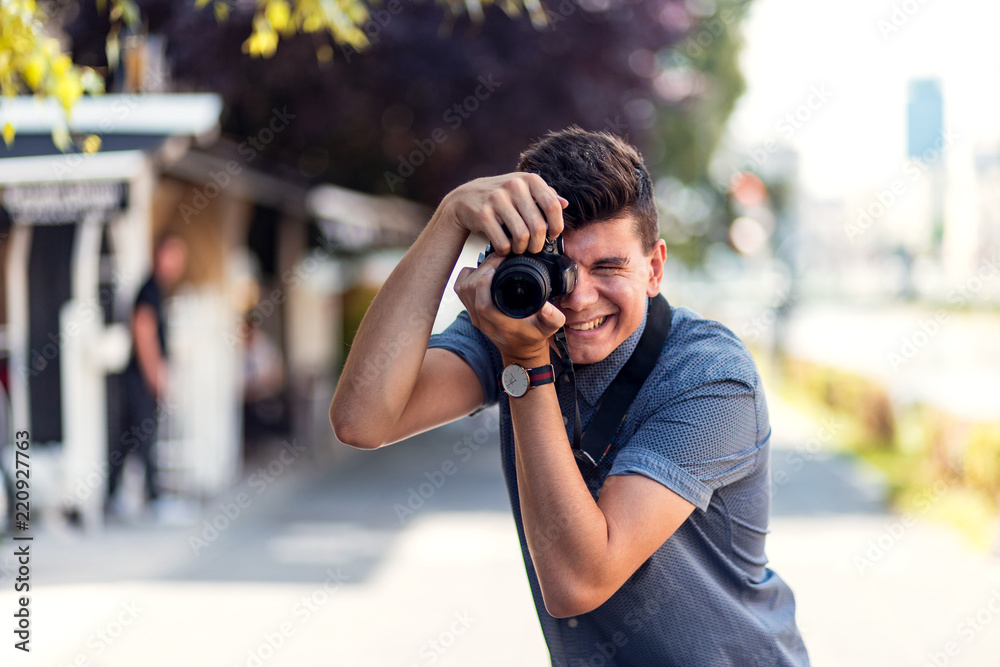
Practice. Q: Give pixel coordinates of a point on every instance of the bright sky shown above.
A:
(858, 136)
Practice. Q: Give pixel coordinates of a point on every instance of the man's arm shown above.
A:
(392, 386)
(582, 551)
(147, 349)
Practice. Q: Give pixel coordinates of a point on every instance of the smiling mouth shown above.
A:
(587, 326)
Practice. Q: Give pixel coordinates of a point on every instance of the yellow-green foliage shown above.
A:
(971, 512)
(344, 20)
(355, 304)
(32, 61)
(981, 463)
(935, 463)
(871, 422)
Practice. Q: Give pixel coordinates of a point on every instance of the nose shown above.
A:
(583, 296)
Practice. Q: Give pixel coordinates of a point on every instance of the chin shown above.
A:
(588, 354)
(591, 346)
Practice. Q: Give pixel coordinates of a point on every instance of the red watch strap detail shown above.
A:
(541, 375)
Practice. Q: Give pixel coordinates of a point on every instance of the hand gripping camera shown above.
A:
(523, 283)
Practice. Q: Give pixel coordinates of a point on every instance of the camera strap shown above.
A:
(570, 374)
(613, 406)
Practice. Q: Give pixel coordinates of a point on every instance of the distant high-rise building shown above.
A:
(924, 117)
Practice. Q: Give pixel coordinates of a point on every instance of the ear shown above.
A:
(657, 259)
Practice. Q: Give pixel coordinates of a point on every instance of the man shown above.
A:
(655, 556)
(145, 379)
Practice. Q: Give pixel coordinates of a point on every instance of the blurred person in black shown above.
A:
(146, 377)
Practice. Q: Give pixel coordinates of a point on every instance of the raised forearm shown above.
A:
(566, 531)
(384, 360)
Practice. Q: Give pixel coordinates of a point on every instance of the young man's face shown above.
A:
(614, 277)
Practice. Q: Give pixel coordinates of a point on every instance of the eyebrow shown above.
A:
(611, 261)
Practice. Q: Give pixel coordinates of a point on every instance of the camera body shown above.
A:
(523, 283)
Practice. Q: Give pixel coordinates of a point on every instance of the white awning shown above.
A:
(113, 166)
(353, 221)
(146, 113)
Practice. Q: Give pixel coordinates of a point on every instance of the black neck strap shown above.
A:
(614, 403)
(570, 374)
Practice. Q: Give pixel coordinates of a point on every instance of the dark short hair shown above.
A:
(602, 176)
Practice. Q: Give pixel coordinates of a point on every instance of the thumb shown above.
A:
(551, 317)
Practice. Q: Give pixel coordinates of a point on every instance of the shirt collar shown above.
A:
(593, 379)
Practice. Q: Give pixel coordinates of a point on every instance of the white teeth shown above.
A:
(593, 324)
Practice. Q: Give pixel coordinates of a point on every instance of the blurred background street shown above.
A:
(319, 569)
(828, 183)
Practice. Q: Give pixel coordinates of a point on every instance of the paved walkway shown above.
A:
(314, 563)
(872, 587)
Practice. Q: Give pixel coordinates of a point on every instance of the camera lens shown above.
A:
(520, 287)
(519, 293)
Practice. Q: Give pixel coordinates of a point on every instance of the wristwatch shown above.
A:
(516, 380)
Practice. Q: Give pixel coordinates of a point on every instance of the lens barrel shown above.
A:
(521, 286)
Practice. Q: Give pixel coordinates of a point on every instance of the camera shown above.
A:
(523, 283)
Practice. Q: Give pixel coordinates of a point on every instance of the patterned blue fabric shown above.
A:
(699, 426)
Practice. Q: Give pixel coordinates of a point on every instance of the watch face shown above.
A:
(515, 380)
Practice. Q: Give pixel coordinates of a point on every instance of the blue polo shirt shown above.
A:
(699, 426)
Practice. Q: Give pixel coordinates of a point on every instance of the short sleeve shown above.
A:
(472, 345)
(696, 441)
(149, 295)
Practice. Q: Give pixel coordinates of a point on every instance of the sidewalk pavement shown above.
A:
(315, 561)
(872, 587)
